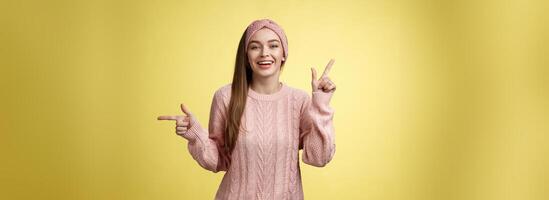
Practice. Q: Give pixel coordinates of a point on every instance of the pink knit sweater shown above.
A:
(264, 163)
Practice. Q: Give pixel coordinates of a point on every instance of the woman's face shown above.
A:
(265, 53)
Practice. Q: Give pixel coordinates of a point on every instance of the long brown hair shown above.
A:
(242, 80)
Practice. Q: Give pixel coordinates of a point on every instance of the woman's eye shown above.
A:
(253, 47)
(274, 46)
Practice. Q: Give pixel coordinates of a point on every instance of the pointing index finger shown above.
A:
(166, 117)
(328, 68)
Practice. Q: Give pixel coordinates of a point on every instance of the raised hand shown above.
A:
(182, 121)
(323, 84)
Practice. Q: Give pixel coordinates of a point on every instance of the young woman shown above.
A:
(258, 124)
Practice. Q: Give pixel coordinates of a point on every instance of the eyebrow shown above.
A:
(273, 40)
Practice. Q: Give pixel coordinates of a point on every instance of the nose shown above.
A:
(265, 52)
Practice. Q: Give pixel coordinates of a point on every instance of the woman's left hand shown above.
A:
(323, 84)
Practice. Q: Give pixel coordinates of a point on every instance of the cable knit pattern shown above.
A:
(264, 164)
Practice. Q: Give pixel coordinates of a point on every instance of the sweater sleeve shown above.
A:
(206, 147)
(317, 134)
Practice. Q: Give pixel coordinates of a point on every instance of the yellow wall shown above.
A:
(435, 100)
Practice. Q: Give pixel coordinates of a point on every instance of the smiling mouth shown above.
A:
(265, 64)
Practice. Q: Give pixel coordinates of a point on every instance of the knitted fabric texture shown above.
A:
(270, 24)
(265, 161)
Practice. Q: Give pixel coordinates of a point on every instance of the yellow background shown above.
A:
(435, 100)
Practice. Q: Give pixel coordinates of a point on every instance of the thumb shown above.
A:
(185, 110)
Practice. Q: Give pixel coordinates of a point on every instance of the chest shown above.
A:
(270, 125)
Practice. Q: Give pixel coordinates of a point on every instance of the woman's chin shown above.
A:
(265, 72)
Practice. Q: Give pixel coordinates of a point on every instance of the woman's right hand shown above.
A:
(182, 124)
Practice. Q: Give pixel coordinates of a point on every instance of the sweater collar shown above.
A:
(268, 97)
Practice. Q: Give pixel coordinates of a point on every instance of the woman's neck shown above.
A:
(268, 85)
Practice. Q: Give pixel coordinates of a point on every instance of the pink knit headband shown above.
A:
(270, 24)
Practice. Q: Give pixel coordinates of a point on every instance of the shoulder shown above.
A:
(299, 99)
(297, 94)
(223, 94)
(224, 91)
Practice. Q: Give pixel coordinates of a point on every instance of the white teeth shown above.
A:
(265, 62)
